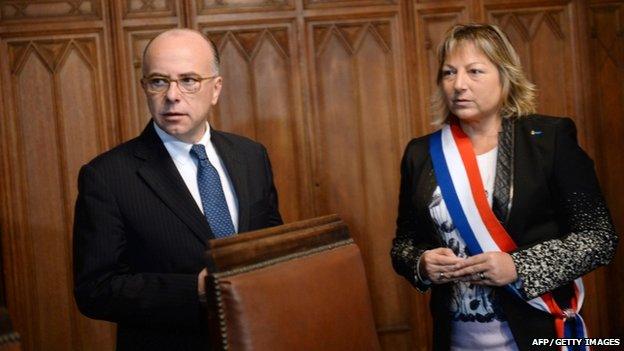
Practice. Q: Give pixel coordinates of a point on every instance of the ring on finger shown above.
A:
(441, 276)
(482, 276)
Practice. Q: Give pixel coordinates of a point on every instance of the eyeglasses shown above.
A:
(189, 84)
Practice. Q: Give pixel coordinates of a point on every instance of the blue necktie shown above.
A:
(212, 197)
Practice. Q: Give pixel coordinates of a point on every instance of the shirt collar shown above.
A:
(178, 149)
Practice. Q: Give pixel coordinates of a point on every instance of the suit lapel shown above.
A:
(502, 196)
(237, 171)
(162, 176)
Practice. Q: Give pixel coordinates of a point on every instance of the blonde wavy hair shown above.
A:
(518, 93)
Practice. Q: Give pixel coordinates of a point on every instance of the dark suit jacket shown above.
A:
(555, 201)
(139, 237)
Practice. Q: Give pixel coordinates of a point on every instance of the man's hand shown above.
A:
(437, 264)
(201, 285)
(488, 268)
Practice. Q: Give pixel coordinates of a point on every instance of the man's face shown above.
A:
(181, 56)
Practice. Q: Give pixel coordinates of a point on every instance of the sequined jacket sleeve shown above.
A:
(410, 241)
(590, 239)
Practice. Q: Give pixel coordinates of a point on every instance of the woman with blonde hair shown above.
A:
(500, 212)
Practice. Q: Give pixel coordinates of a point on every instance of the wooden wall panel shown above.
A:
(13, 10)
(606, 29)
(327, 85)
(345, 3)
(356, 83)
(539, 32)
(77, 89)
(204, 7)
(259, 101)
(42, 192)
(149, 9)
(56, 100)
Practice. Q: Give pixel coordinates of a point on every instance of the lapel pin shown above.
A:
(536, 132)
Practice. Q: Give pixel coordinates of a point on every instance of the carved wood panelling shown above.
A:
(342, 3)
(321, 83)
(204, 7)
(539, 33)
(46, 9)
(58, 107)
(606, 29)
(431, 23)
(258, 100)
(149, 8)
(356, 82)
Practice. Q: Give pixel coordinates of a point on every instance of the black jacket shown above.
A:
(546, 193)
(139, 237)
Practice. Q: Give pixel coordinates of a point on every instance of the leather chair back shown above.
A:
(300, 286)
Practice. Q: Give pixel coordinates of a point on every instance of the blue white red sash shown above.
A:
(457, 173)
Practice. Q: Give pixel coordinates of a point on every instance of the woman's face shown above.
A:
(471, 84)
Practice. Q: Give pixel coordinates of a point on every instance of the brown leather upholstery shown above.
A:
(309, 297)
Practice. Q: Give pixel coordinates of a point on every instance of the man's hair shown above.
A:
(518, 93)
(216, 62)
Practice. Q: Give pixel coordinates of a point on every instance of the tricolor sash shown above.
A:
(457, 173)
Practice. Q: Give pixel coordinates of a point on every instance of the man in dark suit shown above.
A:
(146, 208)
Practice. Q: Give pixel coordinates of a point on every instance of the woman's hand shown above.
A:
(437, 264)
(488, 268)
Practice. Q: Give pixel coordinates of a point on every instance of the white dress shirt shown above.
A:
(187, 166)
